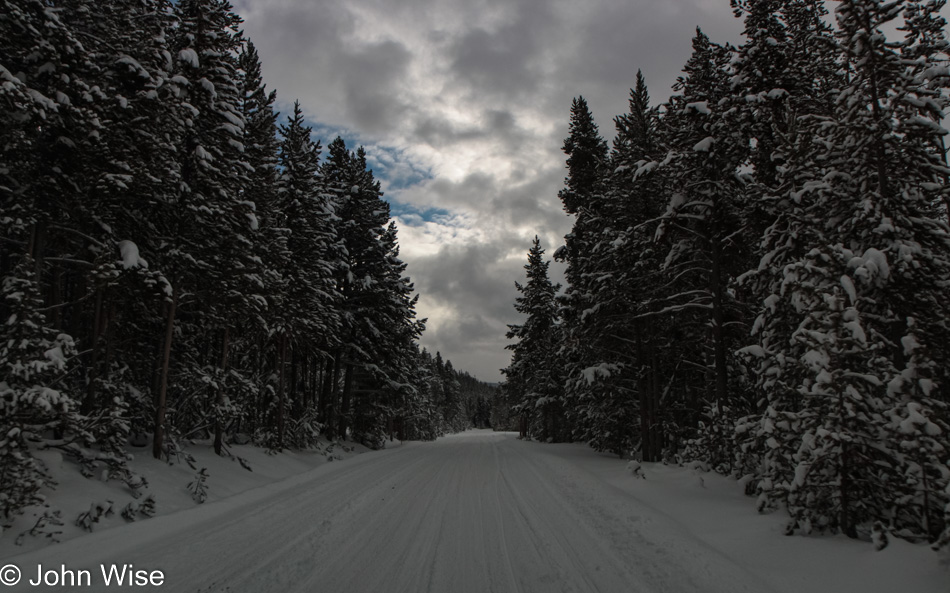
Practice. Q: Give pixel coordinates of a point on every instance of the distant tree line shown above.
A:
(758, 275)
(179, 262)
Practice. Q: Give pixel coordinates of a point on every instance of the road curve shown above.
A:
(479, 512)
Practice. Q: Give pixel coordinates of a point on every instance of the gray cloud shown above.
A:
(650, 36)
(463, 104)
(499, 62)
(313, 51)
(372, 74)
(472, 281)
(497, 124)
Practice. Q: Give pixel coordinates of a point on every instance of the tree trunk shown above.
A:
(282, 360)
(89, 403)
(293, 383)
(57, 317)
(108, 333)
(37, 249)
(718, 321)
(314, 389)
(219, 395)
(656, 394)
(160, 404)
(326, 382)
(345, 401)
(646, 430)
(845, 488)
(643, 387)
(329, 396)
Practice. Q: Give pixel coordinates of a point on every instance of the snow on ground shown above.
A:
(167, 483)
(712, 509)
(482, 512)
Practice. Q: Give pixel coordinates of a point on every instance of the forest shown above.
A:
(758, 271)
(181, 262)
(756, 278)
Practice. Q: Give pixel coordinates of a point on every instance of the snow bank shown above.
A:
(717, 512)
(166, 483)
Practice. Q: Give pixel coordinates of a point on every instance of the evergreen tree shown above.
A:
(33, 358)
(533, 379)
(777, 195)
(364, 280)
(707, 248)
(307, 317)
(859, 300)
(609, 393)
(269, 238)
(583, 196)
(394, 362)
(44, 126)
(217, 269)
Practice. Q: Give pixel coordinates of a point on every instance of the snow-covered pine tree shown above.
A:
(760, 80)
(838, 467)
(706, 248)
(418, 413)
(395, 361)
(130, 154)
(919, 425)
(848, 398)
(610, 393)
(785, 72)
(20, 111)
(307, 320)
(260, 129)
(766, 435)
(587, 154)
(923, 378)
(453, 412)
(533, 381)
(33, 411)
(46, 120)
(250, 335)
(477, 398)
(363, 218)
(926, 48)
(636, 140)
(217, 272)
(85, 150)
(436, 388)
(582, 196)
(784, 68)
(776, 197)
(638, 151)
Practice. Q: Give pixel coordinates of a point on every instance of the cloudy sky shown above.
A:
(462, 106)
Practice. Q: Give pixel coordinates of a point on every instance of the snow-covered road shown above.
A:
(477, 512)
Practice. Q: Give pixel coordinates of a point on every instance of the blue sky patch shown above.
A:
(414, 216)
(392, 166)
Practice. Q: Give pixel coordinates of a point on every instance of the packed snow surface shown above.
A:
(484, 512)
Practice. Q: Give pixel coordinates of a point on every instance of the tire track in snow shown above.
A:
(503, 540)
(467, 514)
(560, 536)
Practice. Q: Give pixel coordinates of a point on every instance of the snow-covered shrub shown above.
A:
(636, 470)
(199, 487)
(44, 526)
(96, 512)
(136, 509)
(32, 409)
